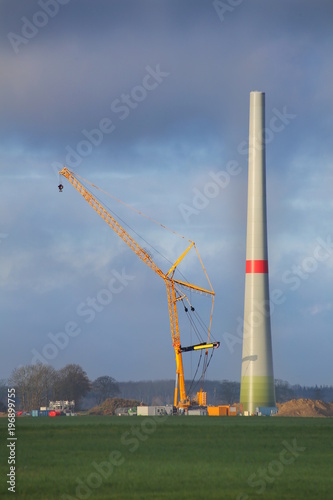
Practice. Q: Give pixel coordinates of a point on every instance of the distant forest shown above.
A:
(218, 392)
(161, 392)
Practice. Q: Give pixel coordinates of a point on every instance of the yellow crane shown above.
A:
(173, 286)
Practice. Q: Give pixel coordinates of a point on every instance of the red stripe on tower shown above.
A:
(256, 266)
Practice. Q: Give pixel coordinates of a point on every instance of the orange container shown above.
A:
(218, 411)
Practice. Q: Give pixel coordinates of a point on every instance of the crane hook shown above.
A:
(61, 187)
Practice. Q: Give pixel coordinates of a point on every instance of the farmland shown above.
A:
(100, 457)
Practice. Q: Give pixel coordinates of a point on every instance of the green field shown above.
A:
(170, 457)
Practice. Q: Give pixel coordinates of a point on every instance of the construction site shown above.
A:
(177, 288)
(257, 395)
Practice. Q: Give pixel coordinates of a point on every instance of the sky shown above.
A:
(149, 100)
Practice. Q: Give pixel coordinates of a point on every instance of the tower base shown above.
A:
(256, 391)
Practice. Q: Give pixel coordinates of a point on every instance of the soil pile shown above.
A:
(305, 408)
(109, 406)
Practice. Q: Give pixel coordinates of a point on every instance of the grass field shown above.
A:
(170, 457)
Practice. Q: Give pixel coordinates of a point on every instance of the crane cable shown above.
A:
(199, 320)
(122, 220)
(196, 371)
(192, 323)
(194, 326)
(204, 369)
(206, 361)
(132, 208)
(203, 325)
(83, 180)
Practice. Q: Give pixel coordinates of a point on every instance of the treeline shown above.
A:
(218, 392)
(285, 392)
(37, 385)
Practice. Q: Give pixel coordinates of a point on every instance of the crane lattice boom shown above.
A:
(173, 292)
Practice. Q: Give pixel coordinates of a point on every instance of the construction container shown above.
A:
(35, 413)
(232, 411)
(197, 411)
(44, 413)
(154, 410)
(145, 411)
(218, 411)
(266, 411)
(62, 406)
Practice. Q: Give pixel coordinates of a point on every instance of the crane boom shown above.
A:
(173, 294)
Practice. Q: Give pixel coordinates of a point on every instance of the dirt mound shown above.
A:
(109, 406)
(305, 408)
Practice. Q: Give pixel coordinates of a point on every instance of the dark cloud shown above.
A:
(83, 69)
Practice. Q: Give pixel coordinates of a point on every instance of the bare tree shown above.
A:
(3, 390)
(105, 387)
(72, 383)
(34, 385)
